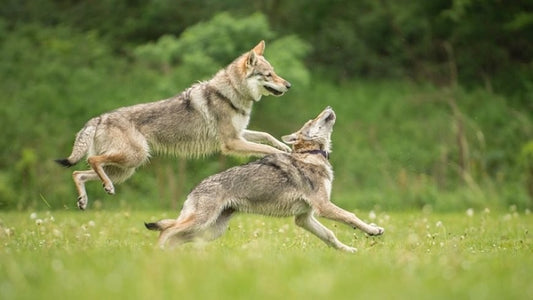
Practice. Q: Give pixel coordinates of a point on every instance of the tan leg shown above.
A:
(80, 177)
(182, 232)
(97, 163)
(220, 225)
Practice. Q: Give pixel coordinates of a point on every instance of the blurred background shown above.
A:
(434, 98)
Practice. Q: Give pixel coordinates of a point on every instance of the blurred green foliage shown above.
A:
(434, 98)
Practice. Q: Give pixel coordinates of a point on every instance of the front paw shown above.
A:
(375, 230)
(283, 147)
(349, 249)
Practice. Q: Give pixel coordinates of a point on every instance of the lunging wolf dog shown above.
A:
(281, 184)
(208, 117)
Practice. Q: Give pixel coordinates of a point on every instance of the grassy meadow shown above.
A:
(425, 255)
(433, 141)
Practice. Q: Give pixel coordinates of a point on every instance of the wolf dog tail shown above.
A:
(84, 140)
(160, 225)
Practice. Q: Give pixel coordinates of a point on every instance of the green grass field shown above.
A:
(423, 255)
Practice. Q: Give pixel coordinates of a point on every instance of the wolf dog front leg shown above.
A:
(244, 147)
(309, 223)
(263, 137)
(335, 213)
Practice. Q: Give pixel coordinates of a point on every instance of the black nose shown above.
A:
(287, 84)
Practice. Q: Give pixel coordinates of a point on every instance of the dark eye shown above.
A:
(268, 74)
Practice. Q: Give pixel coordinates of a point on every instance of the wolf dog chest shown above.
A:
(240, 122)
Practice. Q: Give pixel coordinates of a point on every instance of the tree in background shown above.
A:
(57, 77)
(433, 97)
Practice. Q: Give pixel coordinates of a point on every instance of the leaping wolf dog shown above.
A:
(281, 184)
(208, 117)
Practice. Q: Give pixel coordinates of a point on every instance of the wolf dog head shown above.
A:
(315, 134)
(261, 80)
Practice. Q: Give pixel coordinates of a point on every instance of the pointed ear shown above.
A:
(252, 59)
(290, 139)
(259, 48)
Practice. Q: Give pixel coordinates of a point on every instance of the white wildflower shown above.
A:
(9, 231)
(57, 233)
(470, 212)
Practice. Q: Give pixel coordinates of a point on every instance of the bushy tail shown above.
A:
(64, 162)
(160, 225)
(84, 140)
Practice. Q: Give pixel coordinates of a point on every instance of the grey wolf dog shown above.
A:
(296, 184)
(208, 117)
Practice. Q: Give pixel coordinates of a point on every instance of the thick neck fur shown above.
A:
(231, 82)
(302, 147)
(306, 146)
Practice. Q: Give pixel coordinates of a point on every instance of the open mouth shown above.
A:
(273, 91)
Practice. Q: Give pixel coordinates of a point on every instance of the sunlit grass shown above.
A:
(423, 255)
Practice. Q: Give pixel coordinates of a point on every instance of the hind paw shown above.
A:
(82, 202)
(109, 188)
